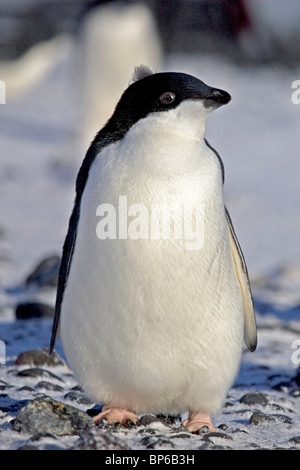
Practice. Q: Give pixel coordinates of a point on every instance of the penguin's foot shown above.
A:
(196, 421)
(114, 414)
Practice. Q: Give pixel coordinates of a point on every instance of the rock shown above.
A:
(95, 438)
(154, 442)
(228, 404)
(45, 273)
(46, 415)
(145, 420)
(202, 431)
(4, 385)
(295, 440)
(38, 372)
(147, 431)
(181, 435)
(223, 426)
(214, 447)
(168, 420)
(80, 398)
(10, 405)
(39, 357)
(259, 418)
(27, 310)
(282, 386)
(297, 377)
(28, 447)
(78, 388)
(45, 385)
(282, 418)
(221, 435)
(95, 410)
(254, 398)
(238, 430)
(42, 435)
(26, 388)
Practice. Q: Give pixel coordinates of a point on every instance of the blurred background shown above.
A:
(63, 66)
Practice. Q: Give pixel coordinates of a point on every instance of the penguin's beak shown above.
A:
(216, 98)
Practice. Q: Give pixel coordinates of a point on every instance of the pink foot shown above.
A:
(197, 421)
(114, 414)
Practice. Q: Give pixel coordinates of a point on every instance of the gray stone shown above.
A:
(45, 415)
(222, 435)
(156, 442)
(38, 372)
(95, 438)
(45, 385)
(39, 357)
(168, 420)
(254, 398)
(45, 273)
(80, 398)
(28, 447)
(145, 420)
(9, 404)
(260, 418)
(27, 310)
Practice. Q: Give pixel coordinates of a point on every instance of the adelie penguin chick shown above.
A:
(154, 323)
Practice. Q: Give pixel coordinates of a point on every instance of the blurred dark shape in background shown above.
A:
(245, 30)
(208, 25)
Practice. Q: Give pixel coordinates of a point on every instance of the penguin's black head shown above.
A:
(157, 93)
(161, 92)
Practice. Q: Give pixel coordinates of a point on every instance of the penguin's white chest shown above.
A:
(152, 310)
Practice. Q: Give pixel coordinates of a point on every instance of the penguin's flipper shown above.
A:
(250, 334)
(64, 269)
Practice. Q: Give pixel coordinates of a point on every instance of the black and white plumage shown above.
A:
(146, 324)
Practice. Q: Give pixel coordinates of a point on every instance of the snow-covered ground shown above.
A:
(257, 136)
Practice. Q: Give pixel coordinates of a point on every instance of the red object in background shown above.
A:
(238, 17)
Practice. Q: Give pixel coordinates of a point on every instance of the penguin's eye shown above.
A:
(167, 98)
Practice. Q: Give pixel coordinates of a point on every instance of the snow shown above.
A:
(257, 138)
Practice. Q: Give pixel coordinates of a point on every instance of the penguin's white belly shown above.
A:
(146, 323)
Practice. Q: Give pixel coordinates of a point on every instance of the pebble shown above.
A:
(155, 442)
(28, 310)
(95, 438)
(297, 376)
(145, 420)
(182, 435)
(258, 418)
(254, 398)
(295, 440)
(9, 404)
(45, 385)
(222, 435)
(39, 357)
(169, 419)
(45, 273)
(46, 415)
(28, 447)
(38, 372)
(78, 397)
